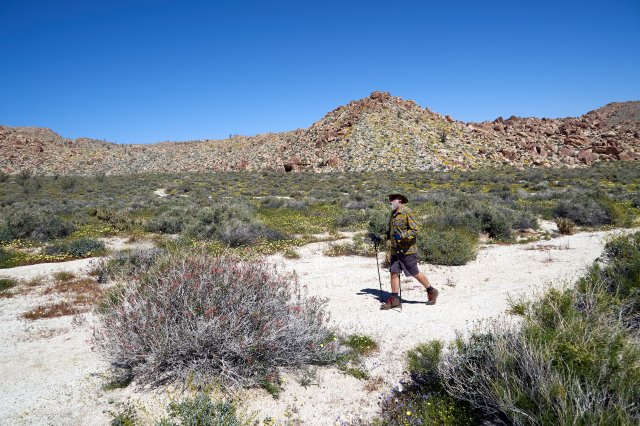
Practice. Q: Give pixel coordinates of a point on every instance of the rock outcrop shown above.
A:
(380, 132)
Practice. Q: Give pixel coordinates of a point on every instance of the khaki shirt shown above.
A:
(402, 222)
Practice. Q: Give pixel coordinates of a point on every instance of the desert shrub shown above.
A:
(235, 232)
(447, 246)
(422, 400)
(422, 362)
(620, 277)
(565, 225)
(5, 257)
(67, 183)
(7, 283)
(279, 202)
(378, 223)
(232, 223)
(82, 247)
(172, 221)
(497, 222)
(351, 219)
(23, 177)
(477, 216)
(36, 225)
(5, 233)
(4, 177)
(525, 220)
(63, 276)
(127, 264)
(201, 411)
(360, 245)
(351, 361)
(585, 210)
(572, 360)
(31, 186)
(200, 317)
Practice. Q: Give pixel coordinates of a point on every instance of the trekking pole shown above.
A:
(378, 265)
(375, 239)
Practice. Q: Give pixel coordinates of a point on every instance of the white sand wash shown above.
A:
(51, 376)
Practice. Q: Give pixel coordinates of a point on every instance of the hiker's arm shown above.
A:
(412, 228)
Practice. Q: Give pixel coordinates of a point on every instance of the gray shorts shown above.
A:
(407, 262)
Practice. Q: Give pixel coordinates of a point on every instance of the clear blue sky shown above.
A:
(146, 71)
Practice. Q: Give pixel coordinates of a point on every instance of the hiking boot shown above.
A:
(433, 296)
(392, 302)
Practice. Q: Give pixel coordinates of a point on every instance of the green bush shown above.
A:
(7, 283)
(565, 225)
(5, 234)
(233, 223)
(423, 400)
(423, 361)
(201, 411)
(574, 358)
(447, 246)
(586, 210)
(172, 221)
(82, 247)
(39, 225)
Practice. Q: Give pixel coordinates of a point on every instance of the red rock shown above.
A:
(623, 156)
(565, 152)
(586, 156)
(575, 140)
(607, 150)
(448, 118)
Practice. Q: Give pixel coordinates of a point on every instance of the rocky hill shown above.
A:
(381, 132)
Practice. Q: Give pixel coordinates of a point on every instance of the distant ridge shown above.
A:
(380, 132)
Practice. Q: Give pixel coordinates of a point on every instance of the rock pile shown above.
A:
(380, 132)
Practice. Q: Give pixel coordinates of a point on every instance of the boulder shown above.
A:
(624, 156)
(586, 156)
(563, 151)
(607, 150)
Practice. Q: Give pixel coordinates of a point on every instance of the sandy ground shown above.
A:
(51, 376)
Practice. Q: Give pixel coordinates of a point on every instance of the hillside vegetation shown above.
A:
(377, 133)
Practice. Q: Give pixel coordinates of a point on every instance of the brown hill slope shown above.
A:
(381, 132)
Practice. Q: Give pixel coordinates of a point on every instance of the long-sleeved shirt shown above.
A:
(402, 222)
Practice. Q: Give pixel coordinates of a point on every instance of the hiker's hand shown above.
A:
(397, 236)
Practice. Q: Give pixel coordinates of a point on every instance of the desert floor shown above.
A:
(50, 375)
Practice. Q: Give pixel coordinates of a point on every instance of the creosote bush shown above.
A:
(447, 246)
(232, 223)
(82, 247)
(34, 225)
(565, 225)
(194, 316)
(571, 360)
(574, 358)
(586, 209)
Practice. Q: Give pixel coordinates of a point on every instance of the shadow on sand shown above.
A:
(375, 292)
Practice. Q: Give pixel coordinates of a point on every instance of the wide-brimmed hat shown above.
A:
(400, 197)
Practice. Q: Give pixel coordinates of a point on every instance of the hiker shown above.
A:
(402, 233)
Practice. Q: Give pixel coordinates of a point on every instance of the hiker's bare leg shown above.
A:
(395, 282)
(423, 280)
